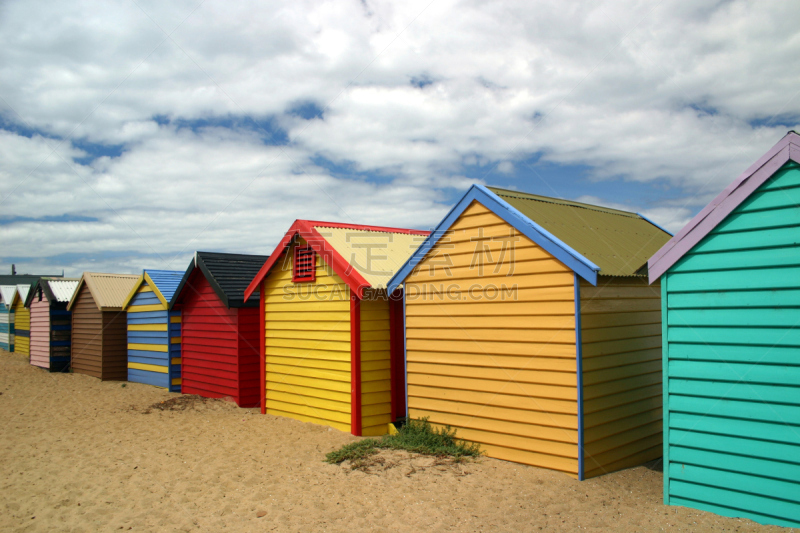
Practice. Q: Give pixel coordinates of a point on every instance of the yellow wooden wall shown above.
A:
(308, 346)
(22, 320)
(503, 373)
(376, 401)
(621, 334)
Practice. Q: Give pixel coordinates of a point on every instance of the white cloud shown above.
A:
(660, 93)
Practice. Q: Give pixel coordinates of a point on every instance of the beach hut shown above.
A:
(730, 288)
(331, 341)
(99, 325)
(50, 333)
(219, 330)
(22, 284)
(7, 312)
(22, 320)
(532, 330)
(154, 332)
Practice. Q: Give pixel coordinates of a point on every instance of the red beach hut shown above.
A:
(219, 331)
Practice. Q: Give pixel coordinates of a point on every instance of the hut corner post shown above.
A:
(405, 352)
(263, 347)
(665, 385)
(355, 364)
(579, 374)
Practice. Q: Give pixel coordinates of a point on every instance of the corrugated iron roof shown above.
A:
(167, 281)
(619, 242)
(108, 290)
(376, 255)
(23, 290)
(7, 293)
(62, 290)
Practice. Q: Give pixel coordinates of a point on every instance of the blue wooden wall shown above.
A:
(6, 327)
(154, 336)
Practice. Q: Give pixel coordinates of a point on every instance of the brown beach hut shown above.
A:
(99, 325)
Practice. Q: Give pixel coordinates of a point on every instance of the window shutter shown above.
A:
(305, 263)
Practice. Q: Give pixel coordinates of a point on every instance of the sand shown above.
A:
(78, 454)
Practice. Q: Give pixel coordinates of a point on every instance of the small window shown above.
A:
(305, 263)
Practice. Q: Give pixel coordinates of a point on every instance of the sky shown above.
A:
(134, 133)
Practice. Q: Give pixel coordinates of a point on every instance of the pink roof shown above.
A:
(787, 149)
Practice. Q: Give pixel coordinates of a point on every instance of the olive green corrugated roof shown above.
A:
(619, 242)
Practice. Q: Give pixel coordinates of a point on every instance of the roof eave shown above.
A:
(549, 242)
(132, 294)
(177, 294)
(307, 231)
(787, 149)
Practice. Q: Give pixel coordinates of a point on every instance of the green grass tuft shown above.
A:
(417, 436)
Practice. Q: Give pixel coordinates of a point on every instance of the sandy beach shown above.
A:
(77, 454)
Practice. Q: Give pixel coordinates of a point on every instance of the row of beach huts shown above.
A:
(553, 333)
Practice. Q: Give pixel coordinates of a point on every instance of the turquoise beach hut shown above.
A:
(154, 332)
(730, 285)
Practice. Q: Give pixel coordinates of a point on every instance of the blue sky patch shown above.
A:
(65, 218)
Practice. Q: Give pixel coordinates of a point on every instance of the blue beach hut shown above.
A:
(154, 332)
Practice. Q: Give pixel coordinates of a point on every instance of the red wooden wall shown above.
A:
(219, 346)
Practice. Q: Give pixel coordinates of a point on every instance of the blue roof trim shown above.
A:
(657, 225)
(557, 248)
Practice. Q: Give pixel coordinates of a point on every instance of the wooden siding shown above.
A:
(99, 340)
(731, 363)
(40, 332)
(6, 327)
(22, 328)
(621, 349)
(154, 349)
(376, 385)
(499, 369)
(216, 345)
(307, 345)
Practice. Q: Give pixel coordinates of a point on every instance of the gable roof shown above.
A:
(163, 282)
(25, 279)
(787, 149)
(108, 290)
(590, 240)
(363, 256)
(22, 292)
(56, 290)
(619, 242)
(7, 294)
(228, 274)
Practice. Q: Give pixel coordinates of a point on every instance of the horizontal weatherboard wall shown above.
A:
(621, 340)
(154, 349)
(501, 371)
(307, 346)
(6, 327)
(22, 328)
(732, 363)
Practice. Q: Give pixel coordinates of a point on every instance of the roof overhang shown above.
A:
(145, 277)
(549, 242)
(197, 262)
(306, 229)
(787, 149)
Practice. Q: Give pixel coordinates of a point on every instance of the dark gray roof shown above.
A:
(228, 274)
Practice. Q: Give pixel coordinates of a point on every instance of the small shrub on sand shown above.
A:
(416, 436)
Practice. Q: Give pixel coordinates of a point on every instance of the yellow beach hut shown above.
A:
(22, 322)
(331, 335)
(531, 329)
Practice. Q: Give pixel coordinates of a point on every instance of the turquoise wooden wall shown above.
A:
(731, 325)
